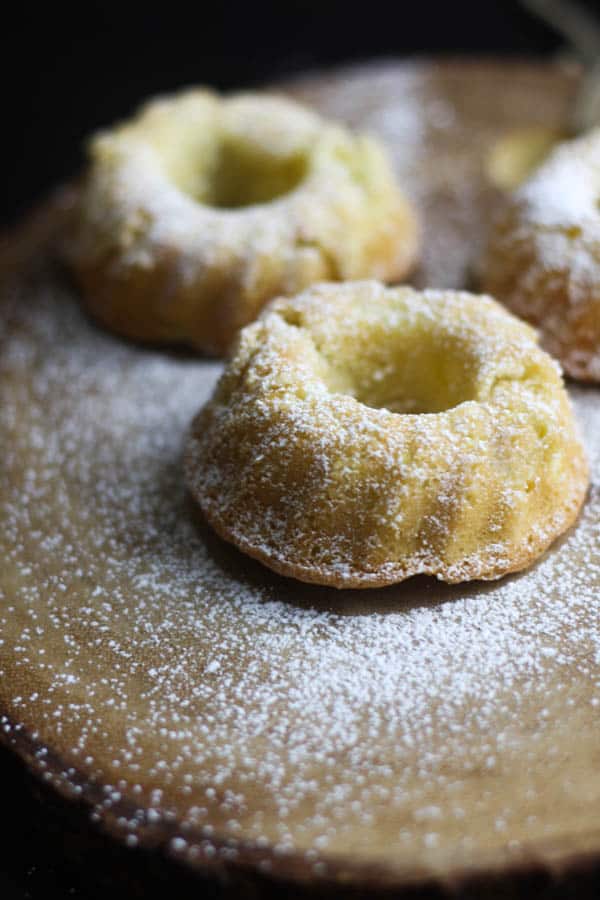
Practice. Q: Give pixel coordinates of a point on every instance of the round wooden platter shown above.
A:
(255, 729)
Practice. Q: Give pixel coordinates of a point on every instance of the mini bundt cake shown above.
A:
(202, 208)
(543, 255)
(362, 434)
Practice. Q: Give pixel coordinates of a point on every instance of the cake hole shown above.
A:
(241, 175)
(291, 317)
(415, 373)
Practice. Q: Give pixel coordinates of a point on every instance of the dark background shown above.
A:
(69, 68)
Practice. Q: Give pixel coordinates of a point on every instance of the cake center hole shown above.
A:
(241, 175)
(428, 375)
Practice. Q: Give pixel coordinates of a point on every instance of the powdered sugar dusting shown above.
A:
(560, 205)
(299, 460)
(543, 258)
(422, 726)
(167, 219)
(562, 193)
(187, 678)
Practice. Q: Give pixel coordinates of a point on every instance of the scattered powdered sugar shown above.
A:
(186, 678)
(422, 725)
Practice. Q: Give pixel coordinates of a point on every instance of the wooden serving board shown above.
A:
(246, 725)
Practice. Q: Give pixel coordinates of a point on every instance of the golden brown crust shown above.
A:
(163, 254)
(470, 571)
(300, 460)
(543, 258)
